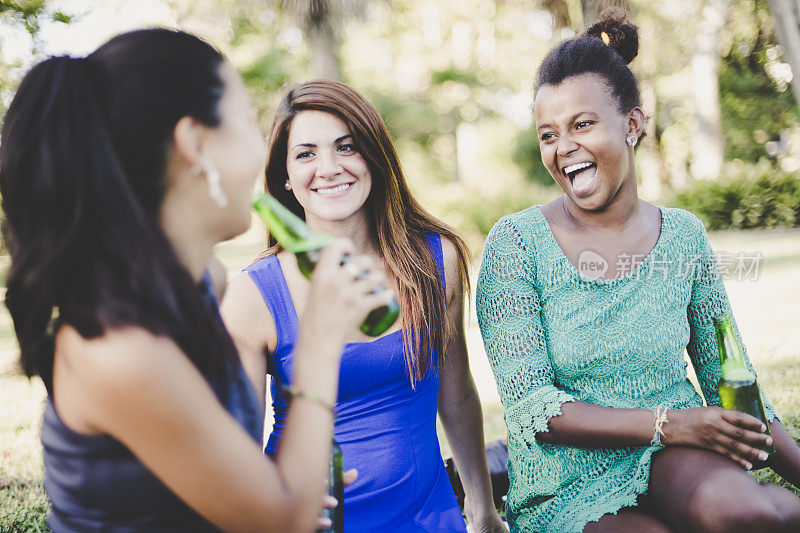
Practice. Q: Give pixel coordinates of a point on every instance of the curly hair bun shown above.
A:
(621, 35)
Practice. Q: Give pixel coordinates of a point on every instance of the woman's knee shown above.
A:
(730, 505)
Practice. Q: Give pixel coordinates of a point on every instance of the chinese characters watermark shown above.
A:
(739, 266)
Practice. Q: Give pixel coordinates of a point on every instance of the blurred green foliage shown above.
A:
(527, 157)
(27, 13)
(755, 108)
(481, 213)
(745, 196)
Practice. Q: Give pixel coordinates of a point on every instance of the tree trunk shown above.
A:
(786, 14)
(592, 9)
(707, 143)
(324, 46)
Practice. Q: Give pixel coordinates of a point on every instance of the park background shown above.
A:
(452, 79)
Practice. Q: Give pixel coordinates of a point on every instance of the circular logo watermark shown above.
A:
(592, 265)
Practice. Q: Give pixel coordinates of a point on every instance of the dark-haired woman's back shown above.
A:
(95, 483)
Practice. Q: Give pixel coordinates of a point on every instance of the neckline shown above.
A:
(297, 319)
(633, 273)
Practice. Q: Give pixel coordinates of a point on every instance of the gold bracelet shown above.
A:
(294, 392)
(660, 418)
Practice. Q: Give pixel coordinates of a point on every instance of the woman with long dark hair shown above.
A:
(119, 171)
(331, 162)
(587, 304)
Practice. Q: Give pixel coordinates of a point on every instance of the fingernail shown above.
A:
(763, 456)
(769, 441)
(325, 523)
(331, 501)
(763, 428)
(748, 466)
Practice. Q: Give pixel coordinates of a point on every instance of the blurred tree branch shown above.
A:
(786, 14)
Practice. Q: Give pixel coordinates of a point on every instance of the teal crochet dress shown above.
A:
(553, 335)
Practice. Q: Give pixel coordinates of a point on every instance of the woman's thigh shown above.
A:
(699, 490)
(627, 521)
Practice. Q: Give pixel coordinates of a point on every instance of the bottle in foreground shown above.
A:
(335, 489)
(294, 235)
(738, 388)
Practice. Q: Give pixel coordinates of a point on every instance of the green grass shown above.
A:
(23, 504)
(767, 312)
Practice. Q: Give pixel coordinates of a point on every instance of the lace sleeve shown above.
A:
(708, 301)
(508, 314)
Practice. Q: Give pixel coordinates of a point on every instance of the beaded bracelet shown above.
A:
(294, 392)
(660, 417)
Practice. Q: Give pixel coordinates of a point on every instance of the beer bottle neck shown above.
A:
(730, 351)
(291, 232)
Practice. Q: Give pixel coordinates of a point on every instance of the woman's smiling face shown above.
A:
(327, 174)
(582, 138)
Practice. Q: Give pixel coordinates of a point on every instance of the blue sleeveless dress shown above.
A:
(96, 484)
(386, 428)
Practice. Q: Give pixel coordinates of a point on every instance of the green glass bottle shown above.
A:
(738, 388)
(295, 236)
(335, 489)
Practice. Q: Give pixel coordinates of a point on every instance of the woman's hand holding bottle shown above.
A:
(733, 434)
(341, 294)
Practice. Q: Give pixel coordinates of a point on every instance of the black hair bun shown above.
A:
(621, 35)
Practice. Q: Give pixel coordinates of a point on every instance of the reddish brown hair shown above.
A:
(397, 223)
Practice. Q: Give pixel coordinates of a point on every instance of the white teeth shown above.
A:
(576, 167)
(334, 190)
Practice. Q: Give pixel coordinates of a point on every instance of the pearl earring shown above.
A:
(214, 180)
(287, 185)
(631, 140)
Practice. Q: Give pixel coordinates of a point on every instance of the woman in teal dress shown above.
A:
(586, 306)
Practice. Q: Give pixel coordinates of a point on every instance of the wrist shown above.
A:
(480, 501)
(659, 419)
(671, 428)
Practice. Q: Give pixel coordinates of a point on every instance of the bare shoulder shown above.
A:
(119, 359)
(242, 297)
(246, 315)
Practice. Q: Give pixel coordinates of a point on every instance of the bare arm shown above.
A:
(252, 327)
(460, 409)
(730, 433)
(592, 426)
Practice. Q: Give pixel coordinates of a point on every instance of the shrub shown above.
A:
(744, 196)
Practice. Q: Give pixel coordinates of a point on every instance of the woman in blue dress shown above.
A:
(332, 163)
(119, 172)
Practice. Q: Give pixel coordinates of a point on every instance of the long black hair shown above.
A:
(605, 49)
(83, 159)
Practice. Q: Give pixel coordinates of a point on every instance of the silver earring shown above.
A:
(213, 179)
(631, 140)
(287, 185)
